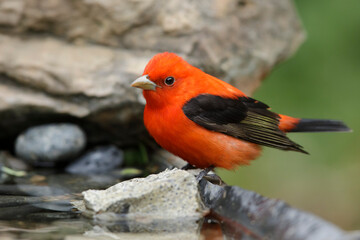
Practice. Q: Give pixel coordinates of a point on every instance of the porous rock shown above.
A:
(48, 144)
(167, 195)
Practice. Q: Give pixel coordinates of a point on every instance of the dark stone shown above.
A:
(57, 185)
(47, 198)
(71, 183)
(49, 216)
(2, 175)
(211, 193)
(47, 144)
(17, 212)
(51, 203)
(97, 161)
(249, 215)
(32, 190)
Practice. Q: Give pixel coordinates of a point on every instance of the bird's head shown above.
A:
(166, 77)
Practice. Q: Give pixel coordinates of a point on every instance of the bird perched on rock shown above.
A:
(209, 123)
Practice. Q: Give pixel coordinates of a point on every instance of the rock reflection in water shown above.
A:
(211, 227)
(45, 229)
(148, 227)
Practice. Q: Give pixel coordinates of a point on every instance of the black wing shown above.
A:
(244, 118)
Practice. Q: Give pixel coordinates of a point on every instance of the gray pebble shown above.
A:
(97, 161)
(47, 144)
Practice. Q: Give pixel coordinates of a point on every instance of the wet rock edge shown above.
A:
(265, 218)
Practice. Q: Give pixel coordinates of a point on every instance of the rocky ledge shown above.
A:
(174, 200)
(73, 61)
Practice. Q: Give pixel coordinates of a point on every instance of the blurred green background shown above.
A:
(322, 80)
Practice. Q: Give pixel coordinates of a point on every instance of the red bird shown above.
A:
(210, 123)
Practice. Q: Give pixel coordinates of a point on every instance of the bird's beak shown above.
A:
(144, 83)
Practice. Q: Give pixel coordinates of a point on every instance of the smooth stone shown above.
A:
(47, 144)
(167, 195)
(97, 161)
(22, 204)
(246, 214)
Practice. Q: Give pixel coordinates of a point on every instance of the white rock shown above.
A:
(169, 194)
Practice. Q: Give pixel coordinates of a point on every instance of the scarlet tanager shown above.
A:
(210, 123)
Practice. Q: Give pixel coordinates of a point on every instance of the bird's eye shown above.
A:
(169, 81)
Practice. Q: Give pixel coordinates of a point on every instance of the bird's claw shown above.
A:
(204, 172)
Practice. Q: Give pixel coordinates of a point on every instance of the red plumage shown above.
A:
(208, 122)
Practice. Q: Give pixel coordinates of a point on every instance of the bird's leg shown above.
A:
(188, 166)
(204, 172)
(214, 179)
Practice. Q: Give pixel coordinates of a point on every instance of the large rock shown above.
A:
(246, 214)
(82, 68)
(68, 83)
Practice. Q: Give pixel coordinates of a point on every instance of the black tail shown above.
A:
(318, 125)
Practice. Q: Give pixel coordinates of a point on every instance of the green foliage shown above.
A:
(136, 157)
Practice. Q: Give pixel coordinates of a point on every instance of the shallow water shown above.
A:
(38, 206)
(70, 227)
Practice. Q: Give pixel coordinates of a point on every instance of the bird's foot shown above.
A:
(214, 179)
(204, 172)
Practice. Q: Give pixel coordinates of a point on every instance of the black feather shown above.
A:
(243, 118)
(215, 109)
(319, 125)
